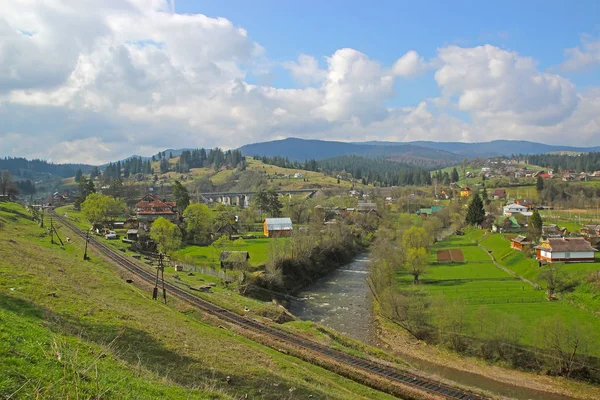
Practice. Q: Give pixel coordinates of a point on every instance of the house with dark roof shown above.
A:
(150, 208)
(519, 242)
(565, 250)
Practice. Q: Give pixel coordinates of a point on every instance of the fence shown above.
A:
(219, 273)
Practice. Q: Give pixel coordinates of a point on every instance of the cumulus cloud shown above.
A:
(83, 80)
(306, 70)
(582, 57)
(493, 83)
(409, 64)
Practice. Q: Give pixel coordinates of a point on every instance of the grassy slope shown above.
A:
(97, 333)
(478, 282)
(582, 294)
(315, 179)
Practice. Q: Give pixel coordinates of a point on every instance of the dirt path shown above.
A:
(507, 270)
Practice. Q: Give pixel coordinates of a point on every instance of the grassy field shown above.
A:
(479, 284)
(77, 330)
(201, 255)
(580, 293)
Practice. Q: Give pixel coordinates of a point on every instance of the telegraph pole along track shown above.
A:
(374, 374)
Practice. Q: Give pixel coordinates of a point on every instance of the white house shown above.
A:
(565, 249)
(513, 209)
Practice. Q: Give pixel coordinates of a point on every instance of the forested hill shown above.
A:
(23, 168)
(300, 150)
(423, 153)
(369, 171)
(586, 162)
(494, 148)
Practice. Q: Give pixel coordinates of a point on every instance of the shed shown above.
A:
(518, 242)
(229, 258)
(132, 234)
(277, 227)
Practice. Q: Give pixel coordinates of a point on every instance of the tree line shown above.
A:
(586, 162)
(369, 171)
(24, 168)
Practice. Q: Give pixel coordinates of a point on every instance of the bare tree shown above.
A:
(5, 182)
(554, 278)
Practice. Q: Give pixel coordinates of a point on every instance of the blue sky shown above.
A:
(95, 81)
(385, 30)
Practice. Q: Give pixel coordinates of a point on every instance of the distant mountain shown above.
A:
(494, 148)
(302, 149)
(422, 153)
(22, 168)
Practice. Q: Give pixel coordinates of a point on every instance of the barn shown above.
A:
(565, 250)
(277, 227)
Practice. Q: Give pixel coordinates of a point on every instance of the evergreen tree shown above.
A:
(539, 184)
(182, 197)
(535, 225)
(454, 176)
(475, 212)
(78, 175)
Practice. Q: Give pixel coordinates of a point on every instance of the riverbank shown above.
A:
(476, 372)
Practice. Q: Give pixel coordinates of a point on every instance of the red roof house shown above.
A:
(150, 208)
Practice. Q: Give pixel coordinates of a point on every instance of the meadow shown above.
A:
(479, 287)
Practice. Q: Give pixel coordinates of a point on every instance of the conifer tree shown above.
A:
(475, 212)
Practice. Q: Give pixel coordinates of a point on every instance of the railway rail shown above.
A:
(393, 375)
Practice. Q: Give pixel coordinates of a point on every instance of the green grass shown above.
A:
(76, 329)
(208, 255)
(478, 283)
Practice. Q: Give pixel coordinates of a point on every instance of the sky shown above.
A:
(99, 80)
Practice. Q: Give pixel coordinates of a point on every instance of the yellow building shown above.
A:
(465, 192)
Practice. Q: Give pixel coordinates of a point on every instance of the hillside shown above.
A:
(77, 330)
(302, 149)
(418, 152)
(494, 148)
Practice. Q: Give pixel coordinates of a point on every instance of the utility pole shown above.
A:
(87, 239)
(51, 231)
(160, 269)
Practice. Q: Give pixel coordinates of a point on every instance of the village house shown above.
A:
(499, 194)
(277, 227)
(565, 250)
(366, 207)
(592, 234)
(514, 208)
(150, 208)
(465, 192)
(590, 230)
(552, 231)
(506, 224)
(525, 202)
(519, 242)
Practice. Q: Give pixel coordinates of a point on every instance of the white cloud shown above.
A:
(138, 78)
(493, 83)
(306, 70)
(581, 58)
(409, 64)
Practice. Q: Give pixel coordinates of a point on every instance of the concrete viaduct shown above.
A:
(242, 199)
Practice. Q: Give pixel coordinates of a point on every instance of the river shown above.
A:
(341, 301)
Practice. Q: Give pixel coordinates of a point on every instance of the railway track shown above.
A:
(386, 372)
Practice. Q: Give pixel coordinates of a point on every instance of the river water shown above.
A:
(341, 301)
